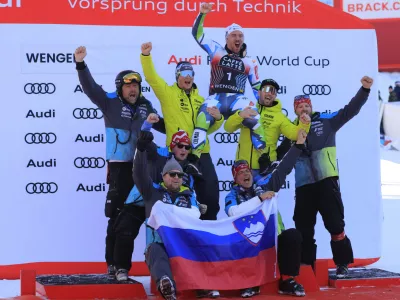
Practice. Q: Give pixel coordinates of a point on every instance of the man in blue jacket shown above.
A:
(124, 113)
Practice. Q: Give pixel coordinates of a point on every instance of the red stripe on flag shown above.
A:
(225, 275)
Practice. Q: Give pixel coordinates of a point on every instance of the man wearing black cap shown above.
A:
(274, 122)
(124, 113)
(180, 103)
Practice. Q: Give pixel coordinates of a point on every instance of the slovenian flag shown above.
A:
(228, 254)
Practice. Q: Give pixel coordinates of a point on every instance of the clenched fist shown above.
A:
(301, 136)
(205, 8)
(80, 54)
(305, 118)
(367, 82)
(152, 118)
(146, 48)
(267, 195)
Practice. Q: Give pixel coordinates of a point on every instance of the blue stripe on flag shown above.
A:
(203, 246)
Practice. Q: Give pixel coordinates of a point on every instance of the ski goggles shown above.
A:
(186, 73)
(301, 97)
(269, 89)
(132, 77)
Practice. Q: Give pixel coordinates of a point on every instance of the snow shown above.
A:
(390, 260)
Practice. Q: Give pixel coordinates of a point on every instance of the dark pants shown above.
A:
(289, 252)
(206, 188)
(126, 228)
(323, 197)
(158, 262)
(119, 178)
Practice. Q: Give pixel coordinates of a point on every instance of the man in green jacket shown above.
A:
(180, 103)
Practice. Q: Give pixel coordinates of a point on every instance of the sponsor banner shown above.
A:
(53, 163)
(178, 13)
(376, 9)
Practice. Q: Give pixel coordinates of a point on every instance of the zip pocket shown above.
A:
(329, 157)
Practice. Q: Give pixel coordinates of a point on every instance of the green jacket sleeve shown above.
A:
(290, 130)
(217, 125)
(233, 123)
(159, 86)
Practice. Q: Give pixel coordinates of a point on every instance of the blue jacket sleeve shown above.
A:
(230, 200)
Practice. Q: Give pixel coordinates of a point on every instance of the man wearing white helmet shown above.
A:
(230, 70)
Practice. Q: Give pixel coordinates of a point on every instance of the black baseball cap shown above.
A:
(269, 82)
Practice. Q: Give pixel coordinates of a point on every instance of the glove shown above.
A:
(145, 139)
(193, 159)
(264, 161)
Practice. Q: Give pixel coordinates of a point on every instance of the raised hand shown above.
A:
(205, 8)
(367, 82)
(80, 54)
(146, 48)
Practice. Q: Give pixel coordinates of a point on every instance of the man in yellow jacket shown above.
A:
(274, 122)
(180, 103)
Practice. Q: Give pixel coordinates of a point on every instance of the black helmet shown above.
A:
(126, 77)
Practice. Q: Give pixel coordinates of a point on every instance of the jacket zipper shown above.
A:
(251, 142)
(191, 106)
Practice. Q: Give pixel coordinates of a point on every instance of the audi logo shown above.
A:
(226, 138)
(285, 112)
(316, 89)
(87, 113)
(41, 188)
(89, 162)
(40, 138)
(225, 186)
(39, 88)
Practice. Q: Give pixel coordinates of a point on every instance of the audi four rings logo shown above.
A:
(40, 138)
(225, 185)
(41, 188)
(39, 88)
(226, 138)
(89, 162)
(87, 113)
(312, 89)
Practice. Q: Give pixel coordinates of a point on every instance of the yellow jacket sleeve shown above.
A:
(216, 125)
(159, 86)
(290, 130)
(233, 123)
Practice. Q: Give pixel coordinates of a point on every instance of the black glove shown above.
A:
(145, 139)
(264, 161)
(193, 159)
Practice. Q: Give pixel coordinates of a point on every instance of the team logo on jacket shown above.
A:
(182, 201)
(251, 227)
(126, 113)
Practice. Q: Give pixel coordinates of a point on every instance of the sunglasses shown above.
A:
(302, 97)
(269, 89)
(187, 147)
(132, 77)
(174, 174)
(186, 73)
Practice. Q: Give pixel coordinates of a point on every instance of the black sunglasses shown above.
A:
(174, 174)
(187, 147)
